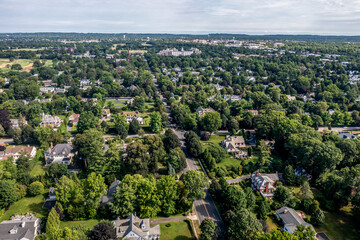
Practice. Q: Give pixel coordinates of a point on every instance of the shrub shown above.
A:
(36, 188)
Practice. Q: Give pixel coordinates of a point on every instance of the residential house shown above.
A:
(107, 198)
(134, 228)
(60, 154)
(16, 151)
(18, 123)
(235, 144)
(85, 82)
(254, 112)
(50, 121)
(20, 227)
(106, 114)
(74, 119)
(232, 97)
(302, 172)
(51, 200)
(291, 98)
(264, 183)
(291, 219)
(347, 135)
(202, 111)
(133, 115)
(132, 88)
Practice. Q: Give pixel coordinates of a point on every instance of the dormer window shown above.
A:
(143, 226)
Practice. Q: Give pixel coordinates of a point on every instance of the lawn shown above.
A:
(339, 225)
(37, 170)
(176, 231)
(229, 162)
(88, 223)
(214, 139)
(271, 224)
(26, 205)
(25, 63)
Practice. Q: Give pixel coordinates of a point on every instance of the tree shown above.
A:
(264, 209)
(94, 189)
(193, 144)
(208, 228)
(155, 122)
(265, 152)
(171, 140)
(233, 125)
(167, 189)
(137, 159)
(147, 198)
(5, 119)
(89, 147)
(138, 104)
(194, 182)
(87, 120)
(36, 188)
(8, 193)
(52, 224)
(134, 126)
(123, 203)
(282, 195)
(243, 226)
(217, 152)
(103, 231)
(211, 122)
(305, 191)
(306, 233)
(156, 151)
(208, 160)
(121, 126)
(289, 175)
(176, 159)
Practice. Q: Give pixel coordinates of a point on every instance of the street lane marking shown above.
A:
(205, 208)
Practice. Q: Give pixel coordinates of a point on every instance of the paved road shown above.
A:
(206, 207)
(237, 180)
(6, 140)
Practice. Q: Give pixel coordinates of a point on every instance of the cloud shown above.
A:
(182, 16)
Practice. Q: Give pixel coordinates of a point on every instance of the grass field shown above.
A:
(214, 139)
(26, 205)
(88, 223)
(229, 162)
(340, 225)
(176, 231)
(37, 170)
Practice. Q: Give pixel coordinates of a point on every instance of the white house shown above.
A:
(134, 228)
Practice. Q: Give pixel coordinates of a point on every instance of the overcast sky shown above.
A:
(333, 17)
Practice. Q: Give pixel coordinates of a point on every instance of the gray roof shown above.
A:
(107, 198)
(61, 149)
(291, 219)
(139, 227)
(20, 228)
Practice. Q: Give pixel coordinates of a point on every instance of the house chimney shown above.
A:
(267, 187)
(51, 145)
(257, 173)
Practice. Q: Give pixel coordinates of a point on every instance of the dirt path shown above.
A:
(28, 67)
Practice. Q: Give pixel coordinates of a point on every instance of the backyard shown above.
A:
(26, 205)
(176, 231)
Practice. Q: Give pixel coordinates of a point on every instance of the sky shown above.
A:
(323, 17)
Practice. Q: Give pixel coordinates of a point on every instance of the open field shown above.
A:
(26, 64)
(26, 205)
(118, 44)
(340, 225)
(88, 223)
(176, 230)
(26, 49)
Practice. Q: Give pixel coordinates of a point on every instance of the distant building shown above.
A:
(175, 53)
(50, 121)
(302, 172)
(264, 183)
(347, 135)
(16, 152)
(74, 119)
(291, 219)
(60, 154)
(202, 111)
(134, 228)
(291, 98)
(130, 116)
(18, 123)
(232, 97)
(106, 114)
(105, 199)
(254, 112)
(20, 227)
